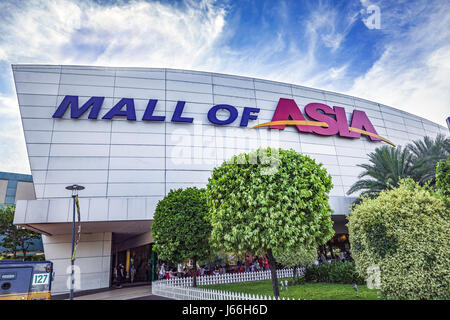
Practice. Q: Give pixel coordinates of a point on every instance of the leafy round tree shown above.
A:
(14, 238)
(179, 228)
(297, 257)
(401, 240)
(269, 201)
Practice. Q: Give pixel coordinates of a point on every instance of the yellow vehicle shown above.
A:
(25, 280)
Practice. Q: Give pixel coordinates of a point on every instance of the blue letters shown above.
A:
(178, 111)
(148, 115)
(75, 112)
(247, 116)
(130, 113)
(212, 114)
(95, 104)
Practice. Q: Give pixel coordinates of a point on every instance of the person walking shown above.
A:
(266, 263)
(120, 275)
(162, 272)
(132, 273)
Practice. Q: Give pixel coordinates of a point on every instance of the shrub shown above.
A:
(443, 177)
(334, 272)
(405, 232)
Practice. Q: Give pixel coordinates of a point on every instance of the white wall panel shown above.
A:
(81, 137)
(38, 136)
(37, 124)
(90, 80)
(139, 93)
(27, 76)
(188, 86)
(136, 176)
(189, 77)
(36, 100)
(80, 177)
(140, 73)
(85, 90)
(79, 150)
(189, 96)
(135, 189)
(78, 163)
(82, 125)
(59, 190)
(136, 163)
(233, 82)
(306, 92)
(36, 88)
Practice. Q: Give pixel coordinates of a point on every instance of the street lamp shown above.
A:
(74, 188)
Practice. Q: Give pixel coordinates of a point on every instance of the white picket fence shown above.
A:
(181, 288)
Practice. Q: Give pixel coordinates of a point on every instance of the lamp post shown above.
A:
(74, 188)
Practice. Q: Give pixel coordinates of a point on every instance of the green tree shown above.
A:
(443, 177)
(296, 257)
(405, 234)
(15, 238)
(386, 167)
(426, 153)
(269, 201)
(179, 228)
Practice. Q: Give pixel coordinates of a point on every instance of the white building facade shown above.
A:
(129, 135)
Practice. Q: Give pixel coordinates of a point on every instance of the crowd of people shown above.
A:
(251, 264)
(344, 255)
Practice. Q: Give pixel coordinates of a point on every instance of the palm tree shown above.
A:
(426, 154)
(387, 166)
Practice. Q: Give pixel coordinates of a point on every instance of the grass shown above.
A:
(307, 291)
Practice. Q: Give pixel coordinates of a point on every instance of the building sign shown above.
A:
(326, 121)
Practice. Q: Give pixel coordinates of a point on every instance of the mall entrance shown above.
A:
(138, 260)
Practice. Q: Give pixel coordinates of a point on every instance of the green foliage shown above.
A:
(386, 167)
(297, 257)
(15, 237)
(307, 291)
(443, 177)
(426, 154)
(405, 232)
(255, 207)
(179, 228)
(334, 272)
(37, 257)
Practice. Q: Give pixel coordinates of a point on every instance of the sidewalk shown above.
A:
(125, 293)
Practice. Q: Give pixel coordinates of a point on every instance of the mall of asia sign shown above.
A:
(326, 121)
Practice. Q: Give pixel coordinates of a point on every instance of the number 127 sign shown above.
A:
(40, 278)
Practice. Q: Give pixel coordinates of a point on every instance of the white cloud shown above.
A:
(413, 74)
(78, 32)
(12, 143)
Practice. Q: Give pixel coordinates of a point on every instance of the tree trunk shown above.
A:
(194, 276)
(331, 250)
(273, 271)
(294, 273)
(24, 250)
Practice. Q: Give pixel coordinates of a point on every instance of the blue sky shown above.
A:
(404, 62)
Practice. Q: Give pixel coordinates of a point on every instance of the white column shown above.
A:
(92, 261)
